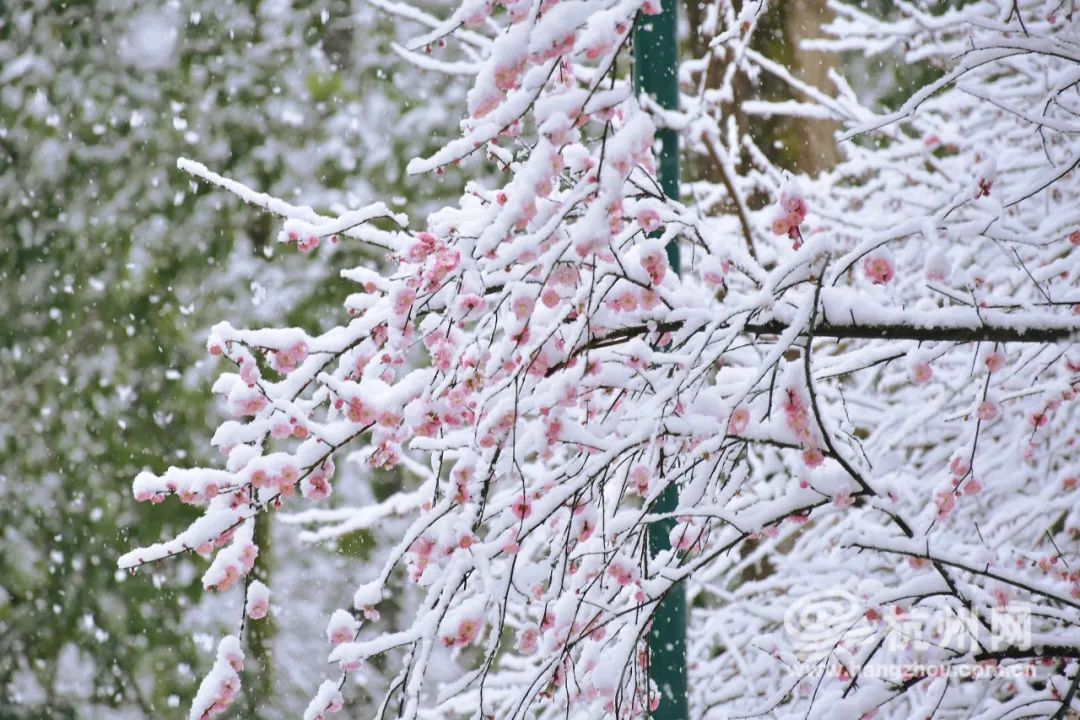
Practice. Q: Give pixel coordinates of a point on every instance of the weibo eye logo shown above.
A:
(819, 621)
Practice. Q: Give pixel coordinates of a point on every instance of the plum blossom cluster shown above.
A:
(797, 417)
(789, 214)
(258, 600)
(887, 404)
(220, 686)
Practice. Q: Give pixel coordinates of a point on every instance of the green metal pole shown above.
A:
(656, 65)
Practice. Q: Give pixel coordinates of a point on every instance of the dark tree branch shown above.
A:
(900, 331)
(880, 331)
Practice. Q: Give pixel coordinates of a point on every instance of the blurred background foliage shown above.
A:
(113, 265)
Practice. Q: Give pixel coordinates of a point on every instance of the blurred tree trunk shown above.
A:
(259, 635)
(804, 145)
(814, 140)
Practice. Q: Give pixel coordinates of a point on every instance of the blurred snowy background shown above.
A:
(113, 264)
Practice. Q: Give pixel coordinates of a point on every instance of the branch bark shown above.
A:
(900, 331)
(878, 331)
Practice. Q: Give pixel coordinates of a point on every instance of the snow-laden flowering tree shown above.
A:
(862, 384)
